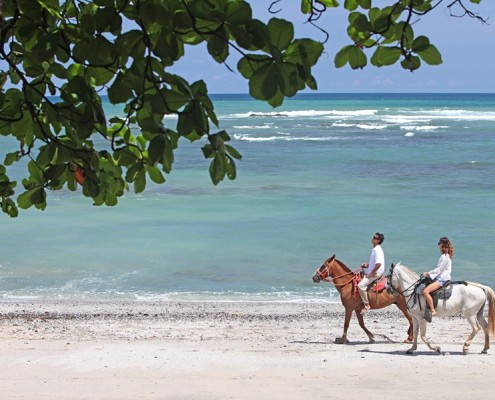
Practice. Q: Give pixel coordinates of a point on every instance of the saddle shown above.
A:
(377, 286)
(442, 293)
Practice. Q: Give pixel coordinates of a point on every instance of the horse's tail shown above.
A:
(490, 296)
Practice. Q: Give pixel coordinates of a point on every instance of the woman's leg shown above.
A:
(431, 288)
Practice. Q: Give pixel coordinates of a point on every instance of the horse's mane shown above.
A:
(408, 271)
(342, 265)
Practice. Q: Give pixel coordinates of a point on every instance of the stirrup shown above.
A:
(427, 315)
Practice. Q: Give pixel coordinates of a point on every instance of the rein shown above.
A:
(413, 286)
(331, 280)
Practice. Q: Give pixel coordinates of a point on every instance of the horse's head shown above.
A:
(401, 276)
(324, 271)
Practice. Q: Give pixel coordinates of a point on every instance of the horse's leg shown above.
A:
(360, 318)
(487, 340)
(475, 326)
(415, 335)
(401, 305)
(347, 320)
(484, 324)
(422, 331)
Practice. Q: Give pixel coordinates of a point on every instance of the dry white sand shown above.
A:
(221, 350)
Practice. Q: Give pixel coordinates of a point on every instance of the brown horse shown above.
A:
(344, 280)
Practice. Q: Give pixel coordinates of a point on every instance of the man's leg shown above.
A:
(362, 289)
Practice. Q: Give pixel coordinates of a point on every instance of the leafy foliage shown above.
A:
(390, 33)
(58, 57)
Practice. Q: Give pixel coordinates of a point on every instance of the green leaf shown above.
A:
(54, 172)
(156, 149)
(411, 63)
(342, 56)
(208, 151)
(22, 127)
(11, 158)
(407, 33)
(304, 51)
(120, 91)
(155, 174)
(426, 6)
(230, 168)
(233, 152)
(36, 175)
(431, 55)
(257, 32)
(91, 187)
(104, 18)
(385, 56)
(35, 196)
(238, 13)
(51, 6)
(351, 5)
(360, 22)
(264, 83)
(24, 199)
(167, 47)
(218, 46)
(38, 196)
(168, 154)
(366, 4)
(9, 207)
(280, 33)
(357, 58)
(248, 65)
(130, 43)
(381, 21)
(290, 82)
(175, 100)
(306, 5)
(217, 171)
(421, 43)
(101, 76)
(140, 180)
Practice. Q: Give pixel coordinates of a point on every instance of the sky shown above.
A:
(467, 47)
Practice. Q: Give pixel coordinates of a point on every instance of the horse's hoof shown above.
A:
(340, 340)
(484, 352)
(371, 341)
(438, 349)
(410, 351)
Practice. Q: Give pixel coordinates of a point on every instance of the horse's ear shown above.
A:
(331, 258)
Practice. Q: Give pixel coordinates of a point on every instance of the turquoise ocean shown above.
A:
(319, 176)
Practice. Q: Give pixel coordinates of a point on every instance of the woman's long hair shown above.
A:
(447, 247)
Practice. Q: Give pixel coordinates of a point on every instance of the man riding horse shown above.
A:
(373, 270)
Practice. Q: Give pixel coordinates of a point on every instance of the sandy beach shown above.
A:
(227, 350)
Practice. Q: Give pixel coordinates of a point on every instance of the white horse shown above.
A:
(469, 300)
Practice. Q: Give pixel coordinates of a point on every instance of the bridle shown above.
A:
(396, 290)
(326, 271)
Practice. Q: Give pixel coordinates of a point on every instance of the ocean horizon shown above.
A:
(319, 176)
